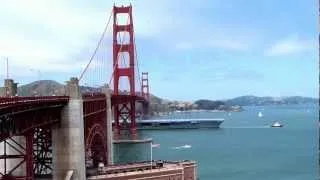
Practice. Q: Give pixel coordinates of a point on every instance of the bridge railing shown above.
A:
(93, 95)
(4, 101)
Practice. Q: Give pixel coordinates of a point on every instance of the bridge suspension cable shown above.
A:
(92, 68)
(136, 57)
(97, 47)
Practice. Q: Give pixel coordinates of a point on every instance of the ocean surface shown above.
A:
(244, 148)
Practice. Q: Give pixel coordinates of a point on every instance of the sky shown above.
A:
(196, 49)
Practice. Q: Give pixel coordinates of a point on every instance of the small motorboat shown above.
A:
(186, 146)
(277, 125)
(260, 114)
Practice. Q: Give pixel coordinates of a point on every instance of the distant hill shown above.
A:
(42, 88)
(259, 101)
(49, 87)
(208, 104)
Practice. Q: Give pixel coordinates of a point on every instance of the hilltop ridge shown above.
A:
(157, 104)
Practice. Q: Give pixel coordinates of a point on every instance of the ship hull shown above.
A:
(176, 124)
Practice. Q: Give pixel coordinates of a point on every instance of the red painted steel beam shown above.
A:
(126, 28)
(120, 99)
(122, 9)
(20, 122)
(42, 152)
(145, 85)
(95, 128)
(5, 101)
(24, 156)
(119, 72)
(17, 104)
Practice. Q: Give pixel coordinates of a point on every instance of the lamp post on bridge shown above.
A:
(6, 75)
(151, 152)
(10, 87)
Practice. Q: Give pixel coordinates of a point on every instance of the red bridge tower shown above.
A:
(145, 85)
(126, 110)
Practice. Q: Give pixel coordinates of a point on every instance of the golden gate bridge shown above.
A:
(50, 135)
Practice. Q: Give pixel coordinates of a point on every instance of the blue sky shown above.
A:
(214, 49)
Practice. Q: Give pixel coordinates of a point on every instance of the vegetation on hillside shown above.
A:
(209, 105)
(49, 88)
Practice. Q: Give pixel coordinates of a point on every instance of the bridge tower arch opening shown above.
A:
(96, 146)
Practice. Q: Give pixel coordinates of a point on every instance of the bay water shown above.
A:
(245, 147)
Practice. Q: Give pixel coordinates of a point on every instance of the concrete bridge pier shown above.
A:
(109, 120)
(68, 137)
(10, 88)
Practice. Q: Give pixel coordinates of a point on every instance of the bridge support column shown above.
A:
(10, 88)
(68, 137)
(109, 120)
(146, 110)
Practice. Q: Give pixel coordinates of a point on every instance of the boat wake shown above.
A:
(186, 146)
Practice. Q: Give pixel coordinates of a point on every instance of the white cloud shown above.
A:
(230, 44)
(290, 46)
(48, 35)
(56, 15)
(216, 36)
(59, 36)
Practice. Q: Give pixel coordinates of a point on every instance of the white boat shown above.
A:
(260, 114)
(186, 146)
(276, 124)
